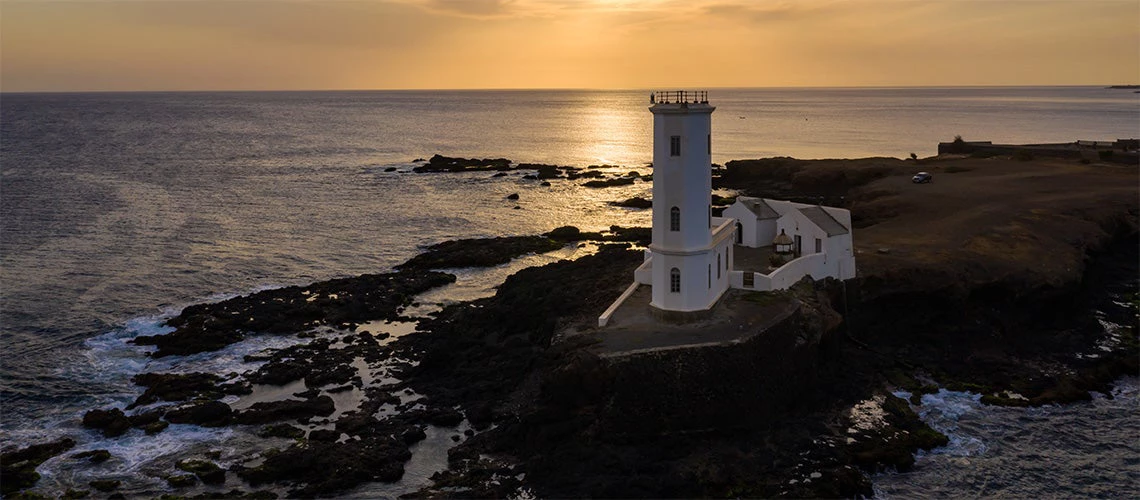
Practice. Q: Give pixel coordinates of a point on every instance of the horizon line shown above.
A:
(563, 89)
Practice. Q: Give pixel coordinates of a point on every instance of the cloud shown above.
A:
(471, 8)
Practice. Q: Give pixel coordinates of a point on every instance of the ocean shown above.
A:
(119, 209)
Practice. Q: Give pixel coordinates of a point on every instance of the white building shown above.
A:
(821, 240)
(689, 263)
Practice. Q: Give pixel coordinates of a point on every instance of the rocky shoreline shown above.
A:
(545, 405)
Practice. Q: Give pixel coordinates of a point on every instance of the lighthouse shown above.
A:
(691, 250)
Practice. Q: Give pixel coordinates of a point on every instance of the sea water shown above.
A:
(119, 209)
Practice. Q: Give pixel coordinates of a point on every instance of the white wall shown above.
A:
(683, 181)
(747, 222)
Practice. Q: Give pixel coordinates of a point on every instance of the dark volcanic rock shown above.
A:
(544, 171)
(18, 468)
(477, 351)
(105, 485)
(176, 387)
(513, 196)
(327, 468)
(205, 414)
(479, 252)
(181, 480)
(208, 472)
(619, 181)
(260, 413)
(440, 163)
(208, 327)
(95, 456)
(282, 431)
(635, 202)
(111, 422)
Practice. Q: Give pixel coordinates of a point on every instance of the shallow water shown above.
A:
(1086, 449)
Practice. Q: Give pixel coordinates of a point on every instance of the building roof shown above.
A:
(824, 220)
(759, 207)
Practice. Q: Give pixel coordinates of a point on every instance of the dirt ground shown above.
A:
(988, 218)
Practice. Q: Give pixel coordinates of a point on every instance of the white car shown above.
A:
(922, 178)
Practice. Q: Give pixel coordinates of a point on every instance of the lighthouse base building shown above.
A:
(690, 262)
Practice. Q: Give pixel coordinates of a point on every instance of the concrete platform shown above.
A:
(751, 259)
(739, 315)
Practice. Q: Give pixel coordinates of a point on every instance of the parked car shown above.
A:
(922, 178)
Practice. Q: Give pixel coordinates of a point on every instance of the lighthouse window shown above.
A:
(675, 280)
(675, 145)
(718, 266)
(710, 276)
(674, 219)
(710, 144)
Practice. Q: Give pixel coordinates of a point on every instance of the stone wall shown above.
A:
(697, 388)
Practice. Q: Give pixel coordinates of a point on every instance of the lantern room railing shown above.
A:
(679, 97)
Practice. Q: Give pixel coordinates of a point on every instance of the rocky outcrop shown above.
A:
(293, 309)
(479, 252)
(18, 467)
(261, 413)
(635, 202)
(111, 423)
(182, 387)
(605, 183)
(439, 163)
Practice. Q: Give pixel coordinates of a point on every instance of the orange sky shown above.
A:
(49, 45)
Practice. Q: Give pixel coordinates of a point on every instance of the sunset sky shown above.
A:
(48, 45)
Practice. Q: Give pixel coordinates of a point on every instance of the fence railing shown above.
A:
(679, 96)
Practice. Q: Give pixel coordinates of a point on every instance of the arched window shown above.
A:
(675, 280)
(674, 219)
(739, 234)
(718, 266)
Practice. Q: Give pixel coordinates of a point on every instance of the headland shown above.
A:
(986, 279)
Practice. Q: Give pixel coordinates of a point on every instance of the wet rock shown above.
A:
(208, 472)
(265, 412)
(439, 163)
(586, 175)
(18, 468)
(105, 485)
(479, 252)
(442, 417)
(205, 414)
(513, 196)
(176, 387)
(545, 184)
(281, 431)
(619, 181)
(291, 310)
(181, 480)
(413, 435)
(635, 202)
(340, 389)
(146, 418)
(155, 427)
(500, 174)
(390, 169)
(325, 468)
(111, 423)
(75, 494)
(327, 435)
(95, 456)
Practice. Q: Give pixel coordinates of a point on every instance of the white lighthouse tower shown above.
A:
(691, 250)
